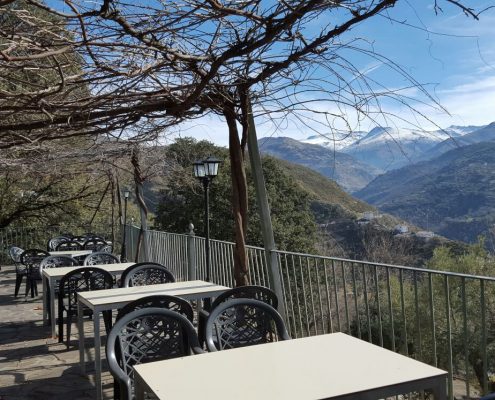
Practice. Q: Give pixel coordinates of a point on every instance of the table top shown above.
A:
(115, 298)
(316, 367)
(60, 272)
(72, 253)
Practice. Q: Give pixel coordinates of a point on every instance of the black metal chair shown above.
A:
(68, 245)
(31, 259)
(243, 322)
(173, 303)
(146, 273)
(20, 270)
(145, 335)
(55, 262)
(54, 242)
(108, 248)
(100, 257)
(256, 292)
(82, 279)
(94, 244)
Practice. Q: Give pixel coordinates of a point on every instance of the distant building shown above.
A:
(401, 229)
(425, 234)
(369, 215)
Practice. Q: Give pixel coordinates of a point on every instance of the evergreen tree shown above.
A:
(183, 202)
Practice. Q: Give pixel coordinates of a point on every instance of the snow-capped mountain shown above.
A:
(336, 140)
(391, 148)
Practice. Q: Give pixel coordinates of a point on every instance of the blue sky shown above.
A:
(449, 53)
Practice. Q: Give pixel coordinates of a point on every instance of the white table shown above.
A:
(317, 367)
(71, 253)
(50, 276)
(114, 299)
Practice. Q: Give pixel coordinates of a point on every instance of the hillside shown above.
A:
(348, 172)
(343, 232)
(324, 190)
(452, 195)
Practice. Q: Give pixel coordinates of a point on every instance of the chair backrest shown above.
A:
(94, 244)
(54, 242)
(90, 235)
(57, 262)
(68, 245)
(108, 248)
(173, 303)
(145, 335)
(15, 254)
(100, 257)
(82, 279)
(256, 292)
(146, 273)
(243, 322)
(80, 239)
(33, 257)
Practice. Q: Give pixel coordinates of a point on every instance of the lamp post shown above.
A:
(205, 171)
(123, 252)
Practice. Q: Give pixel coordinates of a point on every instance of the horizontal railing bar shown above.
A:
(398, 267)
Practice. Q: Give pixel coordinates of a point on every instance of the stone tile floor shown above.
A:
(33, 365)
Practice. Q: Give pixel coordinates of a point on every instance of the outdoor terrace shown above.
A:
(440, 318)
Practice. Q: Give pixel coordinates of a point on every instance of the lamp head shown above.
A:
(199, 169)
(211, 165)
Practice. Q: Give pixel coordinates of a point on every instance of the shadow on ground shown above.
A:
(33, 365)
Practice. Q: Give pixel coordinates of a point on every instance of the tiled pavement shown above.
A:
(32, 364)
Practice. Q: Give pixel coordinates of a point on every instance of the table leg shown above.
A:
(80, 329)
(52, 308)
(44, 302)
(138, 388)
(96, 322)
(440, 390)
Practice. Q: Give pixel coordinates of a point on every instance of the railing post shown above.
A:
(274, 272)
(191, 254)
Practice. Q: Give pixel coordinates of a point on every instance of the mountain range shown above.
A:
(442, 180)
(452, 194)
(348, 172)
(389, 148)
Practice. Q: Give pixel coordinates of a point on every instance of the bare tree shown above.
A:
(143, 67)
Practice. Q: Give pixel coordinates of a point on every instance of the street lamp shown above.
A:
(205, 170)
(123, 253)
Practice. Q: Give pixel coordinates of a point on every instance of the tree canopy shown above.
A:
(183, 201)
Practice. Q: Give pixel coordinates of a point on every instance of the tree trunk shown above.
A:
(139, 180)
(239, 198)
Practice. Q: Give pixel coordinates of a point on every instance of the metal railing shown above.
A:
(444, 319)
(441, 318)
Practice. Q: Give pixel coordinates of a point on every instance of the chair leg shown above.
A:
(35, 284)
(107, 319)
(18, 283)
(116, 389)
(69, 324)
(28, 286)
(60, 322)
